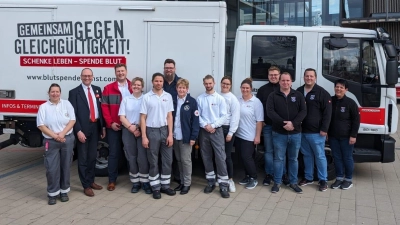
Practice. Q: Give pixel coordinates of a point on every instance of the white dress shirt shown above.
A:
(55, 116)
(124, 89)
(96, 110)
(212, 110)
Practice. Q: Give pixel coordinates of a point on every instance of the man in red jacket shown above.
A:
(112, 96)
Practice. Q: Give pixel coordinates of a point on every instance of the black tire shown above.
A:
(101, 168)
(330, 166)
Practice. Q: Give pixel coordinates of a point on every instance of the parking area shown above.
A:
(374, 199)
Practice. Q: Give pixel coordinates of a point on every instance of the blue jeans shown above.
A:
(114, 149)
(269, 150)
(313, 149)
(342, 153)
(286, 144)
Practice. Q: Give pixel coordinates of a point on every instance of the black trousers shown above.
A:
(87, 153)
(247, 153)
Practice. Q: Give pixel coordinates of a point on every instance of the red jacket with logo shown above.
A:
(111, 101)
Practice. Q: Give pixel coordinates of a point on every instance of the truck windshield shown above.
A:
(356, 63)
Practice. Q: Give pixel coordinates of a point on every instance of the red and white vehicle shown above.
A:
(44, 43)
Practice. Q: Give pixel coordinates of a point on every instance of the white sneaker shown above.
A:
(216, 184)
(232, 187)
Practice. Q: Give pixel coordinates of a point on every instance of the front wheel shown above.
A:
(101, 168)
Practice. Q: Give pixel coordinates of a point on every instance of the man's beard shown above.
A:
(169, 77)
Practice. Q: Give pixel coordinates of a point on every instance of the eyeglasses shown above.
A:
(226, 84)
(86, 76)
(169, 68)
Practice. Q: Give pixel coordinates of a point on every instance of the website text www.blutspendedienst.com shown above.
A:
(47, 77)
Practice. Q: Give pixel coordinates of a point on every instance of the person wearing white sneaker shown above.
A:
(249, 131)
(230, 126)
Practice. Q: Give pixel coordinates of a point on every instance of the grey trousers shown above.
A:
(136, 155)
(57, 160)
(216, 142)
(157, 144)
(183, 154)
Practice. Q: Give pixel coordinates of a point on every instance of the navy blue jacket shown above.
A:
(190, 124)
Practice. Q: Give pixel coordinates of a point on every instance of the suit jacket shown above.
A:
(80, 103)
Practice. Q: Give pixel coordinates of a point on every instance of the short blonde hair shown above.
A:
(183, 82)
(138, 79)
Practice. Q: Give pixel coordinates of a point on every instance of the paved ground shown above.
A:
(375, 199)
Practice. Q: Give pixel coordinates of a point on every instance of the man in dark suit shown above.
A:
(86, 100)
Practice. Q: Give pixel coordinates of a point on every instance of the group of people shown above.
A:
(303, 120)
(157, 130)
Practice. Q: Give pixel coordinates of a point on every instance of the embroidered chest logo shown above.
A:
(312, 97)
(342, 109)
(196, 113)
(165, 100)
(293, 99)
(186, 108)
(214, 104)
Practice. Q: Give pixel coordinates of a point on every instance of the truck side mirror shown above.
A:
(391, 72)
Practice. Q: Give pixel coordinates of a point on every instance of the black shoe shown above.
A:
(135, 188)
(224, 192)
(52, 200)
(156, 194)
(267, 180)
(179, 188)
(323, 185)
(296, 188)
(285, 180)
(244, 181)
(64, 197)
(168, 191)
(185, 190)
(209, 189)
(346, 185)
(336, 184)
(304, 182)
(275, 188)
(146, 187)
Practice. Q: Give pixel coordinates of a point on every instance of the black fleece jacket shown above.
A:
(319, 110)
(286, 108)
(345, 118)
(262, 94)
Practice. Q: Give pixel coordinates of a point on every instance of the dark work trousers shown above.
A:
(228, 151)
(87, 153)
(210, 142)
(136, 155)
(57, 160)
(157, 144)
(114, 148)
(175, 168)
(246, 150)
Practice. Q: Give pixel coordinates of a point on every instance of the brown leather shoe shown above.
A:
(96, 186)
(88, 192)
(111, 186)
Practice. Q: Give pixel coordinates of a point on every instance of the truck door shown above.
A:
(190, 44)
(280, 49)
(358, 64)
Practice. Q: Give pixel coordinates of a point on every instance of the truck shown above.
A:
(48, 42)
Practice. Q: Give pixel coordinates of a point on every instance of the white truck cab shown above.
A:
(365, 58)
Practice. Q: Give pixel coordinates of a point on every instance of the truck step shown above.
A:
(367, 155)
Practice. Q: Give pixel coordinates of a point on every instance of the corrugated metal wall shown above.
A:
(379, 6)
